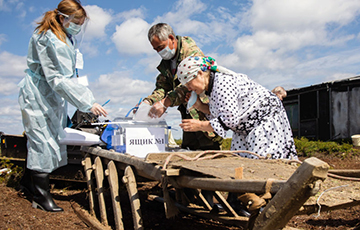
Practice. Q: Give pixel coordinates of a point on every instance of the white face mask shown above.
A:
(192, 100)
(73, 29)
(167, 53)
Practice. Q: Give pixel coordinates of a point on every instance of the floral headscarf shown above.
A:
(190, 66)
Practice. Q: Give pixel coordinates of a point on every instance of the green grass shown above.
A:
(307, 148)
(340, 148)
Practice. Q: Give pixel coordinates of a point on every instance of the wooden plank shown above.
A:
(346, 172)
(235, 221)
(171, 172)
(90, 184)
(225, 204)
(309, 209)
(224, 168)
(229, 185)
(99, 175)
(144, 169)
(284, 205)
(89, 219)
(160, 158)
(130, 182)
(219, 168)
(239, 173)
(202, 199)
(113, 179)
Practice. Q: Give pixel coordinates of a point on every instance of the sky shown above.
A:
(275, 42)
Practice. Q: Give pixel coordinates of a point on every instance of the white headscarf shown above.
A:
(190, 66)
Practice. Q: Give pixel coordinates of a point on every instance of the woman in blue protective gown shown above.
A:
(43, 97)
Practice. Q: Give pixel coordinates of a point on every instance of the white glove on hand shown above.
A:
(98, 110)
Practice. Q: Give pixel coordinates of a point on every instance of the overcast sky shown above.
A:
(275, 42)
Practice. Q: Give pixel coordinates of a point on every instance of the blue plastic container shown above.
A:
(114, 137)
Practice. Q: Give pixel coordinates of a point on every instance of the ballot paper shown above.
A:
(142, 114)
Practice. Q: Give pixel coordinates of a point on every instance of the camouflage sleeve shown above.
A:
(188, 48)
(177, 96)
(162, 86)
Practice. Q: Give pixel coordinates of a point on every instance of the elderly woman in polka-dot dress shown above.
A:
(254, 114)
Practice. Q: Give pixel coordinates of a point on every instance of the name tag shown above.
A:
(79, 64)
(83, 80)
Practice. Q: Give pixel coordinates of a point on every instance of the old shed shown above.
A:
(326, 111)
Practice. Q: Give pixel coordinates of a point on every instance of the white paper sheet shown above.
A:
(80, 138)
(142, 114)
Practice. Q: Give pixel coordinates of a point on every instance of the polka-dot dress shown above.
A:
(255, 115)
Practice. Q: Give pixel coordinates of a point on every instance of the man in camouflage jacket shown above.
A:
(169, 92)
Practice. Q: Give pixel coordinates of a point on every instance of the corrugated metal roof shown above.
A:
(320, 85)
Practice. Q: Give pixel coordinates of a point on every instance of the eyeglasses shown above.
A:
(71, 18)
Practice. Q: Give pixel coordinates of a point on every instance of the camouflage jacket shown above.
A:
(167, 83)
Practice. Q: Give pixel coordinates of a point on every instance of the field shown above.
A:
(16, 211)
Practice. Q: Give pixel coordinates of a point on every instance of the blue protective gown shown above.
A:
(43, 97)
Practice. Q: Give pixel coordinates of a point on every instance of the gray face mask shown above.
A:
(167, 53)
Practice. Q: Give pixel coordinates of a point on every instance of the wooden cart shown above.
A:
(281, 186)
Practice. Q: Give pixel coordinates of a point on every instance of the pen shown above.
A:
(136, 107)
(106, 102)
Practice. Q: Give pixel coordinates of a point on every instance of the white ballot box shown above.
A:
(137, 138)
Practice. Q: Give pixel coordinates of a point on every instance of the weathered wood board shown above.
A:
(257, 170)
(225, 168)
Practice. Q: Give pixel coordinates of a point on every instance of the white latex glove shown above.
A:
(98, 110)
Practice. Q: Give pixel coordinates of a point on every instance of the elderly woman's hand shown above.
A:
(98, 110)
(192, 125)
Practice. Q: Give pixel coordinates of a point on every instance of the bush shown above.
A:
(13, 177)
(226, 145)
(178, 141)
(307, 148)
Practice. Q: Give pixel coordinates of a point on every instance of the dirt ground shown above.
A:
(16, 211)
